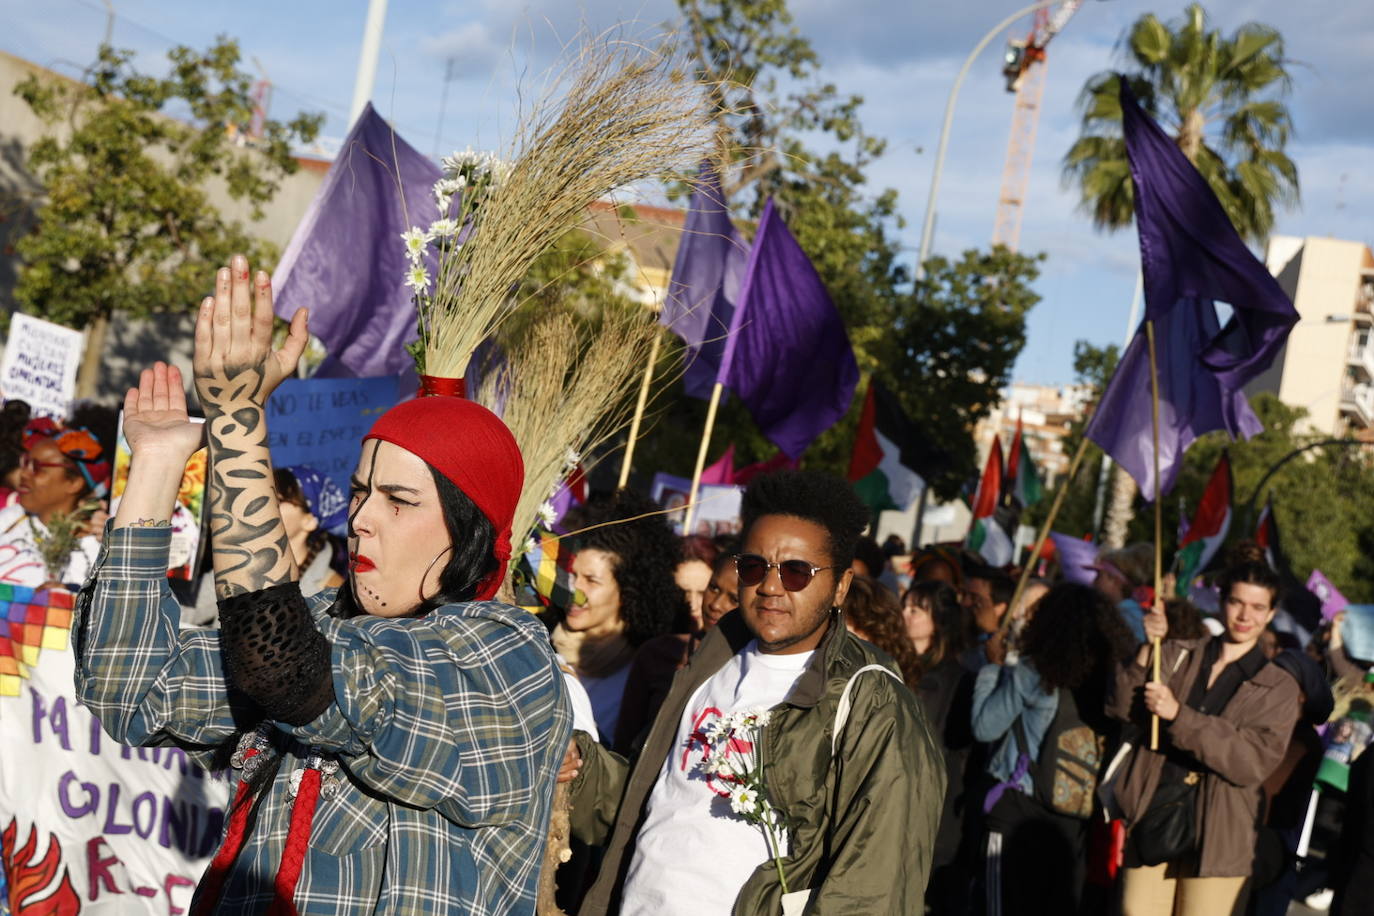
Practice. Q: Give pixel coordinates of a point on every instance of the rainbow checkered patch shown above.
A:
(30, 620)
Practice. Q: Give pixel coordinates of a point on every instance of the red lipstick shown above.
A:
(362, 564)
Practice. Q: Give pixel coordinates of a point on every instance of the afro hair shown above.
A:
(815, 496)
(645, 553)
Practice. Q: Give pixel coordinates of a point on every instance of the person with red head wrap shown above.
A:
(398, 739)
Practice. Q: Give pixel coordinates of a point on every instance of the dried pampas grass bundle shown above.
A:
(616, 114)
(566, 390)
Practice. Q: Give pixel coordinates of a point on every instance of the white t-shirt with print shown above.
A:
(21, 562)
(692, 854)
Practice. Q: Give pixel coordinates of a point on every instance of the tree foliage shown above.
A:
(1222, 98)
(127, 222)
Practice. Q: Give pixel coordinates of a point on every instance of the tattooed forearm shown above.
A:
(248, 540)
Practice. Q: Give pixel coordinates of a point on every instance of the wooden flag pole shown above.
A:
(701, 459)
(1159, 521)
(639, 411)
(1044, 534)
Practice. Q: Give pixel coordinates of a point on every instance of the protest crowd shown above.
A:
(449, 674)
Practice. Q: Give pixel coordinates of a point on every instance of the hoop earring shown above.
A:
(420, 589)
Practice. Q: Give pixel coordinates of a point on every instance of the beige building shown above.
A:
(1327, 364)
(1046, 413)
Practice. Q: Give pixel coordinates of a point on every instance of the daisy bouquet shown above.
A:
(734, 767)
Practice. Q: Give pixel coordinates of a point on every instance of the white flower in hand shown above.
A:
(414, 239)
(744, 800)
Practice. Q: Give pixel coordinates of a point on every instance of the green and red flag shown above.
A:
(1208, 529)
(988, 535)
(887, 451)
(1267, 537)
(1023, 486)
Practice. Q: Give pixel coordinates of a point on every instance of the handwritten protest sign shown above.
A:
(320, 422)
(40, 365)
(187, 515)
(717, 509)
(87, 825)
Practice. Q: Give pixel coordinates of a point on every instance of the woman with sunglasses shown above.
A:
(60, 471)
(859, 789)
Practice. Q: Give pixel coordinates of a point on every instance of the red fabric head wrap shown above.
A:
(470, 446)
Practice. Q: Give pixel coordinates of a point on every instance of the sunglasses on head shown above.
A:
(795, 575)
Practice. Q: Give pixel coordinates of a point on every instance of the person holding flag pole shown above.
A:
(1196, 368)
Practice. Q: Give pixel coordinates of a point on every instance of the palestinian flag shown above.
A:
(1267, 536)
(1023, 485)
(1208, 529)
(988, 535)
(887, 451)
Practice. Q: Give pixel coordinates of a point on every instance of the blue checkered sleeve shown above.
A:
(448, 712)
(146, 679)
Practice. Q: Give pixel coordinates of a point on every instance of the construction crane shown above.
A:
(1024, 67)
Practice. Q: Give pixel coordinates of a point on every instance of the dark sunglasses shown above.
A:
(794, 574)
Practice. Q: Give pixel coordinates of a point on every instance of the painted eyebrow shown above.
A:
(355, 483)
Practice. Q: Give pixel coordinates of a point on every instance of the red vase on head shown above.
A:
(437, 385)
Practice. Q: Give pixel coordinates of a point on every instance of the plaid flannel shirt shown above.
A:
(448, 730)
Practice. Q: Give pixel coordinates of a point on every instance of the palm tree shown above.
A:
(1222, 99)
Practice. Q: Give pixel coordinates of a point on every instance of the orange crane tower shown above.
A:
(1024, 67)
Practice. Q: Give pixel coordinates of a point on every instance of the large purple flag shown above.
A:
(787, 356)
(346, 262)
(705, 283)
(1192, 261)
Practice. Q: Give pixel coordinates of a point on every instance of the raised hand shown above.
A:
(155, 417)
(235, 365)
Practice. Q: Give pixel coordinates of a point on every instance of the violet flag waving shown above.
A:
(1191, 259)
(346, 262)
(705, 285)
(787, 356)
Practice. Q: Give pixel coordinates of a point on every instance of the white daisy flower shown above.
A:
(443, 229)
(572, 459)
(414, 239)
(546, 512)
(744, 800)
(528, 545)
(417, 278)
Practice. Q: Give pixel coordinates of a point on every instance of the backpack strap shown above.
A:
(842, 710)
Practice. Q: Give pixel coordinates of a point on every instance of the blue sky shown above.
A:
(901, 56)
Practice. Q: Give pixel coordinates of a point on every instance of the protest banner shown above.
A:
(86, 825)
(717, 510)
(1333, 602)
(319, 422)
(188, 528)
(40, 365)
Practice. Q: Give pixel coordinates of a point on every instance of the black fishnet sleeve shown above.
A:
(274, 654)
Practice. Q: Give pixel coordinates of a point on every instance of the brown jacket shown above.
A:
(1240, 748)
(864, 820)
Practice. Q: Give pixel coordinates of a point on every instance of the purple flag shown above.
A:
(787, 356)
(1075, 557)
(1192, 261)
(704, 288)
(346, 262)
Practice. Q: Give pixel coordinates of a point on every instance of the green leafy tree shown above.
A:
(1222, 98)
(126, 222)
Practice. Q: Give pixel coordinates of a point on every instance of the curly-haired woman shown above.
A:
(872, 613)
(1069, 650)
(623, 569)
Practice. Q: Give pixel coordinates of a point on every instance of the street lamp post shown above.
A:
(928, 224)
